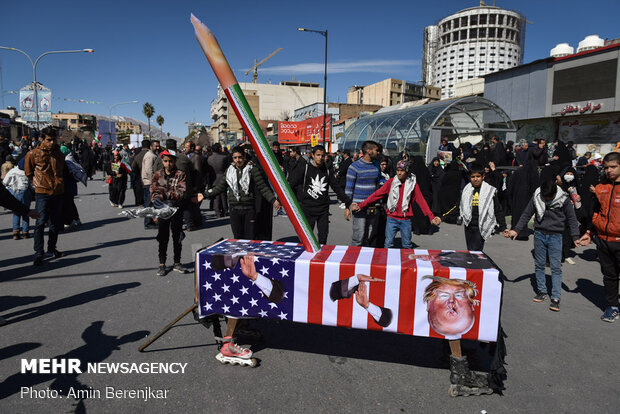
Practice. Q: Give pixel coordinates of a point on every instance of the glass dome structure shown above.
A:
(418, 130)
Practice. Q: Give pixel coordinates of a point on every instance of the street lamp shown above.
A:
(34, 69)
(323, 33)
(110, 111)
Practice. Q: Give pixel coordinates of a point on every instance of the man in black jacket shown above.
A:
(314, 195)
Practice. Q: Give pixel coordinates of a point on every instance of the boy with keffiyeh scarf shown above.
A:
(401, 191)
(480, 209)
(553, 210)
(241, 180)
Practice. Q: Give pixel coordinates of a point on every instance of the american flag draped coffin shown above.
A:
(434, 293)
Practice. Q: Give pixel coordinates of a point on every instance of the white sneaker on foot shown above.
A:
(570, 261)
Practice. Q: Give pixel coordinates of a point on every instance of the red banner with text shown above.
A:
(299, 133)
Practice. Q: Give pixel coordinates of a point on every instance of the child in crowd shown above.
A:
(480, 209)
(606, 227)
(18, 184)
(554, 212)
(401, 191)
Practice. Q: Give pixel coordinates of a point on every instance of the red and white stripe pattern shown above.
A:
(402, 291)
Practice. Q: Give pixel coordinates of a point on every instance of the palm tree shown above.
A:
(148, 110)
(160, 122)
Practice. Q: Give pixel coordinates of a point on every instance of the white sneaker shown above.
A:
(112, 204)
(570, 261)
(120, 206)
(342, 206)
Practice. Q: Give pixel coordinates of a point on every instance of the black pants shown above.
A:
(322, 224)
(243, 223)
(609, 258)
(175, 223)
(138, 192)
(192, 217)
(118, 187)
(473, 238)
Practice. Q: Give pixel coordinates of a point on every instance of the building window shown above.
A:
(500, 19)
(473, 33)
(455, 23)
(463, 35)
(492, 18)
(455, 36)
(500, 34)
(492, 33)
(483, 19)
(473, 20)
(463, 21)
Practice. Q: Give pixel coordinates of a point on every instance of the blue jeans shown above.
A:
(50, 208)
(394, 225)
(24, 197)
(551, 244)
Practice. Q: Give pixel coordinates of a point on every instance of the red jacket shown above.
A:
(417, 197)
(606, 221)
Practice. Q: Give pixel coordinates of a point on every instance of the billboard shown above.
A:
(27, 108)
(299, 133)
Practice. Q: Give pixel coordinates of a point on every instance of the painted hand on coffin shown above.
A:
(356, 285)
(450, 305)
(273, 290)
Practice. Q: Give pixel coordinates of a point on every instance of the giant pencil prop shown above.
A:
(229, 84)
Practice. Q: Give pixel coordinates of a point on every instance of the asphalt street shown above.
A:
(101, 301)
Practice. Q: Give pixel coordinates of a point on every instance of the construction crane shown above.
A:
(256, 65)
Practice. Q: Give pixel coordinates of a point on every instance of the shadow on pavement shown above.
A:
(69, 302)
(223, 221)
(593, 292)
(589, 255)
(99, 223)
(17, 349)
(97, 348)
(30, 270)
(8, 302)
(340, 344)
(112, 243)
(105, 272)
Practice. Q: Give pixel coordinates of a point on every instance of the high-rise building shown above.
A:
(472, 43)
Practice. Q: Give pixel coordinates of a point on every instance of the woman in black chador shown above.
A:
(450, 193)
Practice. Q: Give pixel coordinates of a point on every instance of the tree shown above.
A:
(160, 122)
(148, 110)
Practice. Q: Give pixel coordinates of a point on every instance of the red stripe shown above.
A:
(476, 276)
(315, 285)
(406, 301)
(278, 242)
(378, 268)
(440, 271)
(255, 241)
(347, 269)
(272, 179)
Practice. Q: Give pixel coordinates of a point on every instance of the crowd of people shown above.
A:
(574, 200)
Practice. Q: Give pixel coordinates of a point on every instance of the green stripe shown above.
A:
(248, 116)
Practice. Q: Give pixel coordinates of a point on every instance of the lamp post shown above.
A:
(322, 33)
(34, 70)
(110, 112)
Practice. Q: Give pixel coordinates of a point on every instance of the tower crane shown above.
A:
(256, 65)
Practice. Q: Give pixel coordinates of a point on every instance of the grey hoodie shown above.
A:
(556, 213)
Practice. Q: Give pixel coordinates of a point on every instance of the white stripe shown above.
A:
(420, 321)
(330, 275)
(360, 315)
(489, 305)
(302, 283)
(458, 273)
(392, 287)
